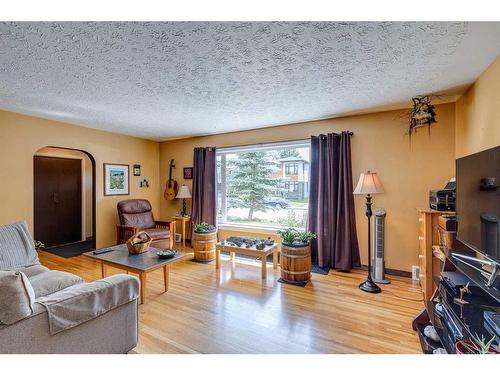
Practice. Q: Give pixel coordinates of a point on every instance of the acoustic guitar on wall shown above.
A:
(171, 185)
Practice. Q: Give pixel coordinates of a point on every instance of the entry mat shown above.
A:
(321, 270)
(70, 250)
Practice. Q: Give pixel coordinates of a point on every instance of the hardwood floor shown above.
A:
(236, 312)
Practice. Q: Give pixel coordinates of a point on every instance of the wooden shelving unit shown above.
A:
(428, 236)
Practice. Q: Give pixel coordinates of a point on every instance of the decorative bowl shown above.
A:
(166, 254)
(269, 242)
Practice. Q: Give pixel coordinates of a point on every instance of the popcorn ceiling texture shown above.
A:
(165, 80)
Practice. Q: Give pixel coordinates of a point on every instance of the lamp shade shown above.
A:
(183, 192)
(369, 183)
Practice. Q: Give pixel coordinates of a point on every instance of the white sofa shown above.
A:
(57, 312)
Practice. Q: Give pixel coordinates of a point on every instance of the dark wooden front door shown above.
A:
(58, 200)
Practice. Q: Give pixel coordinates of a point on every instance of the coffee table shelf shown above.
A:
(252, 251)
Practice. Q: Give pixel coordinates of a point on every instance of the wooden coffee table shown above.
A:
(252, 251)
(140, 264)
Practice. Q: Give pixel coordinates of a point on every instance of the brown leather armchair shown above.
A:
(136, 215)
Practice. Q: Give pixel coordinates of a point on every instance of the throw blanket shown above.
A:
(80, 303)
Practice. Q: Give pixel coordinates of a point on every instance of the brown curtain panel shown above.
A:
(204, 189)
(331, 203)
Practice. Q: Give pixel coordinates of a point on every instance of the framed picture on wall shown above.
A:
(188, 173)
(137, 169)
(116, 179)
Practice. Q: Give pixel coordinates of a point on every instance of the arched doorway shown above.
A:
(64, 200)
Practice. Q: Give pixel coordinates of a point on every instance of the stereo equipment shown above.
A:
(443, 200)
(447, 229)
(453, 281)
(448, 222)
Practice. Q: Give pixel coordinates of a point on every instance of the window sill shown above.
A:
(251, 228)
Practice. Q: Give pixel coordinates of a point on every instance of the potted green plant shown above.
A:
(204, 241)
(295, 257)
(39, 245)
(296, 238)
(204, 228)
(476, 346)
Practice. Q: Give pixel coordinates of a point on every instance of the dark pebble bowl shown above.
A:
(166, 254)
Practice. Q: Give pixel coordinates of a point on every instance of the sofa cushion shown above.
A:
(16, 297)
(33, 270)
(16, 247)
(49, 282)
(158, 233)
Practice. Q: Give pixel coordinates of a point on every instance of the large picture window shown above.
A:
(264, 185)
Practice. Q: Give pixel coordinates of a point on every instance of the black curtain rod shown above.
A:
(277, 142)
(266, 143)
(348, 132)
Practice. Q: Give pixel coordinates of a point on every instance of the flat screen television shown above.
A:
(478, 202)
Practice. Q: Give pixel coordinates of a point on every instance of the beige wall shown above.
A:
(478, 114)
(379, 144)
(22, 136)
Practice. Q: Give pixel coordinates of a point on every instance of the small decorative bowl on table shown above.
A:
(166, 254)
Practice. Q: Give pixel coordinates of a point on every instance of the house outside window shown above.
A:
(263, 185)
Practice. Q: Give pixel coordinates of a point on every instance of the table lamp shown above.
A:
(368, 184)
(183, 193)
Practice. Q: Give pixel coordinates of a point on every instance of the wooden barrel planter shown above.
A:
(204, 246)
(295, 263)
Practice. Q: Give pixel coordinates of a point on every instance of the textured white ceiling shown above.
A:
(167, 80)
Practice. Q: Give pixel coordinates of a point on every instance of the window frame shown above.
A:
(260, 147)
(295, 166)
(289, 184)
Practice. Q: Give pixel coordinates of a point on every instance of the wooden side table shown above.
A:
(184, 220)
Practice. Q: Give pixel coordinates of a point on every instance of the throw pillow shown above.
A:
(16, 297)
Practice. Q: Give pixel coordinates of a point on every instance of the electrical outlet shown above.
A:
(415, 273)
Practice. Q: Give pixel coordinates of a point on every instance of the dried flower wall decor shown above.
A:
(422, 114)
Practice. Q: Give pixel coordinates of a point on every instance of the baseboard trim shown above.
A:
(393, 272)
(401, 273)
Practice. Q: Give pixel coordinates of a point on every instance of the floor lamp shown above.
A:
(368, 184)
